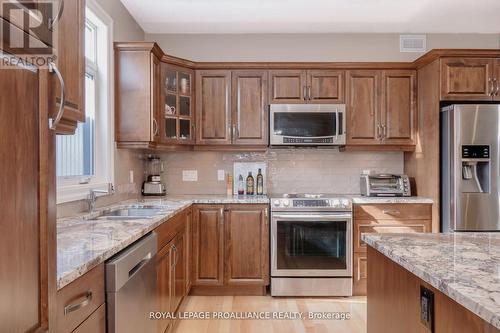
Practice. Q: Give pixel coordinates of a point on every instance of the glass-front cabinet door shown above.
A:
(177, 106)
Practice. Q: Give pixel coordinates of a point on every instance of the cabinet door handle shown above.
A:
(304, 92)
(309, 97)
(391, 212)
(221, 216)
(73, 307)
(379, 132)
(497, 86)
(53, 21)
(54, 122)
(491, 86)
(384, 132)
(155, 127)
(235, 131)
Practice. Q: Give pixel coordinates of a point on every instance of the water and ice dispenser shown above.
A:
(476, 169)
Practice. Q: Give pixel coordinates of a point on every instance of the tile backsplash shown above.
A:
(288, 170)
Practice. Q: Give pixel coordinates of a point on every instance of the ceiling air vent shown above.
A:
(412, 43)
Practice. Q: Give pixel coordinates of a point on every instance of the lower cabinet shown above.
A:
(96, 323)
(80, 304)
(383, 218)
(172, 267)
(230, 249)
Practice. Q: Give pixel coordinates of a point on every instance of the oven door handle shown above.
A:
(314, 217)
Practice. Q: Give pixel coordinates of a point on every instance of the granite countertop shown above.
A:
(464, 266)
(391, 200)
(83, 243)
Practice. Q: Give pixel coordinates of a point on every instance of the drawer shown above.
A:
(359, 278)
(78, 300)
(393, 211)
(167, 230)
(96, 323)
(385, 227)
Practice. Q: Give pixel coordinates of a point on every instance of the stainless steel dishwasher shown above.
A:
(131, 288)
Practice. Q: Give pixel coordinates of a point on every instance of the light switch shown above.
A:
(221, 175)
(190, 175)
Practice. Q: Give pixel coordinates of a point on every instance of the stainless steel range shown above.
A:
(311, 245)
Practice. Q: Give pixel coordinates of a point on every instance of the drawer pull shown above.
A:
(73, 307)
(391, 211)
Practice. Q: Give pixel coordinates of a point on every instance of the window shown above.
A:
(84, 160)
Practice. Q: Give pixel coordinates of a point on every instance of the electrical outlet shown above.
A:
(221, 175)
(190, 175)
(131, 176)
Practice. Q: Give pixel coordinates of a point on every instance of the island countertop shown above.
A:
(463, 266)
(83, 242)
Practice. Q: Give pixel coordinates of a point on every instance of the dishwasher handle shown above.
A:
(129, 262)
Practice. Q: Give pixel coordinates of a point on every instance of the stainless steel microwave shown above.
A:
(307, 125)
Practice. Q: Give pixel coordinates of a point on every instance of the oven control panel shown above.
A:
(300, 203)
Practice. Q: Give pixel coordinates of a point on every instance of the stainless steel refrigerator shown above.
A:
(470, 175)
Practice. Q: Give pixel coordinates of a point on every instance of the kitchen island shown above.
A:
(433, 282)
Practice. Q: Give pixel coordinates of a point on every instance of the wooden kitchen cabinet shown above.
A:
(382, 109)
(188, 248)
(208, 245)
(363, 108)
(172, 261)
(27, 189)
(399, 109)
(70, 63)
(301, 86)
(394, 303)
(137, 102)
(96, 323)
(213, 107)
(383, 218)
(230, 250)
(246, 245)
(164, 274)
(287, 86)
(179, 270)
(177, 123)
(469, 79)
(326, 86)
(80, 299)
(231, 107)
(249, 103)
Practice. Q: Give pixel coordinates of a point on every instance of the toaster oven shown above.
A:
(383, 185)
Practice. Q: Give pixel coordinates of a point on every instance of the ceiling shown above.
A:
(316, 16)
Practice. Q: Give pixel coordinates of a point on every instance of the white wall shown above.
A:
(308, 47)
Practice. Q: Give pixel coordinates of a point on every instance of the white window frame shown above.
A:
(71, 188)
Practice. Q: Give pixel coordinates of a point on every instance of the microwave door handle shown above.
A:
(337, 126)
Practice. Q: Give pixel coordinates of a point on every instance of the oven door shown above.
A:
(307, 124)
(311, 244)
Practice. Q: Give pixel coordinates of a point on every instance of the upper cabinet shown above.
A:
(68, 79)
(399, 107)
(382, 108)
(137, 102)
(231, 107)
(213, 107)
(363, 107)
(300, 86)
(153, 101)
(470, 79)
(249, 104)
(177, 124)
